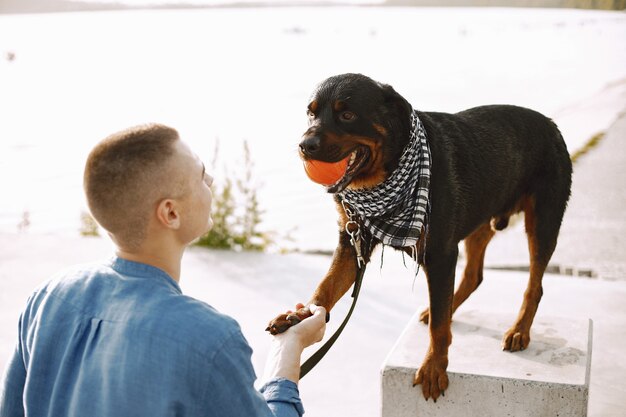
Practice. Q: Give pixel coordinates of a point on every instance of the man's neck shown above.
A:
(168, 261)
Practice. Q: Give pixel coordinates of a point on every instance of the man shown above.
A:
(119, 338)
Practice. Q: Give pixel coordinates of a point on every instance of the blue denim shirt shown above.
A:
(120, 339)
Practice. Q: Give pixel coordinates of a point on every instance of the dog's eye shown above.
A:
(310, 114)
(347, 116)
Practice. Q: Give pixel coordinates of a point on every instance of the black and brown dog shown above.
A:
(488, 163)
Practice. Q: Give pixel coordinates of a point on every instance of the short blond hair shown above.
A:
(125, 177)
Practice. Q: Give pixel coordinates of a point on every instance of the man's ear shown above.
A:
(168, 214)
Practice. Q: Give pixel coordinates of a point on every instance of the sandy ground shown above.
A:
(254, 287)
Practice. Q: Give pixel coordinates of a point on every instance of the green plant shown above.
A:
(88, 226)
(236, 212)
(591, 143)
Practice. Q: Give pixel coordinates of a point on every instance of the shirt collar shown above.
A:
(141, 270)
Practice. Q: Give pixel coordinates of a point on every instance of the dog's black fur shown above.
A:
(488, 163)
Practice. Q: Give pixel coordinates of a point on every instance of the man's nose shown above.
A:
(311, 146)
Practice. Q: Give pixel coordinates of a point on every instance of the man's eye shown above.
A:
(347, 116)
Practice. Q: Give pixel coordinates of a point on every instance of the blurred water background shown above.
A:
(232, 74)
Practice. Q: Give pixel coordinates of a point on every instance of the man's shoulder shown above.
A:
(155, 308)
(182, 323)
(70, 278)
(76, 274)
(195, 319)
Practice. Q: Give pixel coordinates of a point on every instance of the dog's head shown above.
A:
(351, 115)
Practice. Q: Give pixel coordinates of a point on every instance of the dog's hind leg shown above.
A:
(475, 248)
(542, 214)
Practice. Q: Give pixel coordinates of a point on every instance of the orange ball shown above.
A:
(326, 173)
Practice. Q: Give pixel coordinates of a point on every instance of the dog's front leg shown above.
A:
(432, 374)
(340, 276)
(337, 281)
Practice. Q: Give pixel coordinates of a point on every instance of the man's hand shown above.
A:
(284, 357)
(310, 330)
(284, 321)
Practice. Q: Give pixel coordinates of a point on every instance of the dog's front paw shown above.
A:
(284, 321)
(515, 339)
(433, 376)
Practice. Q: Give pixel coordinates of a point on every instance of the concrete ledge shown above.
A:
(550, 378)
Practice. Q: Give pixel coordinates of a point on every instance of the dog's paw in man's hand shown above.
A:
(284, 321)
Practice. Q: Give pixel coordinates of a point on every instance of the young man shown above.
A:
(119, 338)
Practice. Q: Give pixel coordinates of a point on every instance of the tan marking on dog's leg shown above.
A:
(440, 277)
(342, 271)
(518, 336)
(475, 248)
(335, 284)
(337, 281)
(432, 373)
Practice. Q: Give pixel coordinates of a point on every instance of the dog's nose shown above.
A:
(311, 145)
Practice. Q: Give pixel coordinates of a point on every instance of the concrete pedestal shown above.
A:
(550, 378)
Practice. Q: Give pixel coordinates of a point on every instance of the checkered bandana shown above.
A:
(395, 210)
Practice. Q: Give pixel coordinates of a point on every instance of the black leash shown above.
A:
(317, 356)
(355, 240)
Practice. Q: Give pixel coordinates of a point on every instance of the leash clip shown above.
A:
(354, 231)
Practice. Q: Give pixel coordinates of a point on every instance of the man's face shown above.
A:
(196, 202)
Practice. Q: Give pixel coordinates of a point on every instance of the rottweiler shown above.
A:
(487, 163)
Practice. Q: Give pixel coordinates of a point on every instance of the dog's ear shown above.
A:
(400, 104)
(397, 112)
(397, 107)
